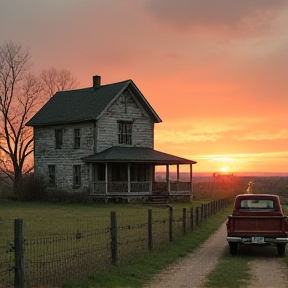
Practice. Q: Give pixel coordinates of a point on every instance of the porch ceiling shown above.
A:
(136, 154)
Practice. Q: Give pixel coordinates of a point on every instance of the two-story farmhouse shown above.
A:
(100, 139)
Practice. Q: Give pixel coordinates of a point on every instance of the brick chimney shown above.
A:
(96, 81)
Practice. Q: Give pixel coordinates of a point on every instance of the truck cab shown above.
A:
(257, 219)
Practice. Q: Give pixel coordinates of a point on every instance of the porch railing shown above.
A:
(141, 187)
(121, 187)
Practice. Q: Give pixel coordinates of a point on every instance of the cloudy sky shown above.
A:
(216, 72)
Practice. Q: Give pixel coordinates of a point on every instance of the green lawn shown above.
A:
(136, 273)
(41, 221)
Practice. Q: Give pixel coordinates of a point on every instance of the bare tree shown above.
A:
(21, 95)
(54, 80)
(18, 99)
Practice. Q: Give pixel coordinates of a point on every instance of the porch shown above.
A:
(130, 172)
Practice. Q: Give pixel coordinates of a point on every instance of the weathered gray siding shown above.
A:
(45, 153)
(125, 108)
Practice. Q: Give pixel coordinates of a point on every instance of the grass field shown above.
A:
(41, 220)
(53, 249)
(142, 268)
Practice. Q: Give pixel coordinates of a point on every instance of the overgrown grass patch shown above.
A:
(46, 219)
(140, 270)
(231, 271)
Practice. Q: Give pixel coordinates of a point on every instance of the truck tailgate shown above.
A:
(248, 225)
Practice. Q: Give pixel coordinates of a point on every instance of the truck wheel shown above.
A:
(281, 249)
(233, 248)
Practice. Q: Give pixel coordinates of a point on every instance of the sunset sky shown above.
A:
(215, 71)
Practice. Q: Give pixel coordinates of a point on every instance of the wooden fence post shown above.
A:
(19, 254)
(210, 209)
(197, 216)
(205, 211)
(191, 219)
(114, 248)
(202, 210)
(184, 221)
(150, 240)
(170, 224)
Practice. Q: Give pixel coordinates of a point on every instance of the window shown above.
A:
(119, 172)
(58, 138)
(77, 175)
(125, 133)
(138, 172)
(101, 171)
(52, 177)
(76, 138)
(256, 204)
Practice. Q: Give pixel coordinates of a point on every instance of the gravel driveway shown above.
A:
(190, 272)
(268, 271)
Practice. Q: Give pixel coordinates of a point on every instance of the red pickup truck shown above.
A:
(257, 219)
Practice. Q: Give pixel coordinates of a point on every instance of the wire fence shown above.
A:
(89, 248)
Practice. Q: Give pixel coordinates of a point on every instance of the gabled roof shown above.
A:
(136, 154)
(86, 104)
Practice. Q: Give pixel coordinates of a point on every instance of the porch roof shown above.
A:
(136, 154)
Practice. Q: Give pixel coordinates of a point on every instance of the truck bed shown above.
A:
(256, 226)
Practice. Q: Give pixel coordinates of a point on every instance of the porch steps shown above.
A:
(161, 199)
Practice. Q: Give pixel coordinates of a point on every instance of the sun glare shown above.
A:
(224, 169)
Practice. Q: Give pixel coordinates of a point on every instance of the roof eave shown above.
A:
(157, 119)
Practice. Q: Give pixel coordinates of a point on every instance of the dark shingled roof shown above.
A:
(85, 104)
(136, 154)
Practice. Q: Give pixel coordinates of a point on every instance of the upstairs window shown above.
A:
(77, 175)
(76, 138)
(58, 138)
(52, 175)
(125, 133)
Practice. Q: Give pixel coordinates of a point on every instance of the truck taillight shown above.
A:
(228, 225)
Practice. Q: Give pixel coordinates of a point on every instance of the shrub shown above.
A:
(56, 195)
(32, 187)
(5, 192)
(5, 187)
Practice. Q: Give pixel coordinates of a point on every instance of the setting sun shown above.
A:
(224, 169)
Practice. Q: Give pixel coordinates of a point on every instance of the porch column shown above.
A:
(129, 178)
(191, 179)
(178, 178)
(168, 178)
(106, 177)
(151, 177)
(91, 179)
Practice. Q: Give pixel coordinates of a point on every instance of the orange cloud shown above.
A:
(218, 18)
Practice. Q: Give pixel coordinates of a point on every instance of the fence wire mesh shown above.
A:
(50, 260)
(7, 256)
(83, 246)
(160, 227)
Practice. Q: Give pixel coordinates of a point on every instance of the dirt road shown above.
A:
(268, 271)
(191, 272)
